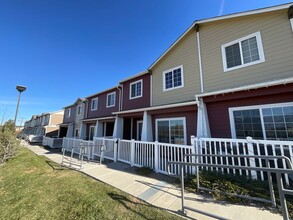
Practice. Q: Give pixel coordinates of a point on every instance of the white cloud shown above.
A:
(221, 10)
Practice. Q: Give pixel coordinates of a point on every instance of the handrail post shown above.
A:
(271, 185)
(282, 196)
(182, 189)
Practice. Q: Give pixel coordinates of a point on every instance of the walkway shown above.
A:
(159, 192)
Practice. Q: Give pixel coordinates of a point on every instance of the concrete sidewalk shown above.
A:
(158, 192)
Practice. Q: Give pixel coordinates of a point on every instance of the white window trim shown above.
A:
(260, 51)
(170, 119)
(171, 70)
(68, 112)
(135, 97)
(291, 21)
(79, 107)
(93, 109)
(109, 94)
(231, 110)
(137, 128)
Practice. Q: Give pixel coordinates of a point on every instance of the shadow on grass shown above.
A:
(55, 166)
(123, 200)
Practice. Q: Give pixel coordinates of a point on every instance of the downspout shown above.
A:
(196, 26)
(120, 94)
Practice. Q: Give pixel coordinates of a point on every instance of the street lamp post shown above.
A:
(20, 89)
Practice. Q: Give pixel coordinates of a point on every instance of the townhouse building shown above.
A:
(99, 120)
(45, 124)
(72, 119)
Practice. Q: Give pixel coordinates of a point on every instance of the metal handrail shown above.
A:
(268, 169)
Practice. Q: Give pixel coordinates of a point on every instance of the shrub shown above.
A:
(8, 142)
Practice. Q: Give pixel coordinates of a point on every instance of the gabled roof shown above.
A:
(134, 76)
(218, 18)
(115, 87)
(77, 100)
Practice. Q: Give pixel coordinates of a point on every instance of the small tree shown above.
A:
(8, 142)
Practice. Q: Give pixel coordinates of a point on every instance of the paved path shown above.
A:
(160, 193)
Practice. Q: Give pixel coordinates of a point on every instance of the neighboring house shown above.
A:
(99, 120)
(72, 120)
(136, 96)
(46, 124)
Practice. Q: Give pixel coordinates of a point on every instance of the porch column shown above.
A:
(118, 128)
(147, 130)
(82, 131)
(203, 127)
(69, 130)
(99, 129)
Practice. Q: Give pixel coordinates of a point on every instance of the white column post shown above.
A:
(115, 149)
(132, 152)
(118, 128)
(147, 130)
(203, 128)
(156, 156)
(251, 153)
(194, 150)
(82, 133)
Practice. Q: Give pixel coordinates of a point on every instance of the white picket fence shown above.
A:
(216, 146)
(153, 154)
(52, 142)
(157, 155)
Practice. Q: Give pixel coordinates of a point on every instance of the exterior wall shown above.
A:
(184, 53)
(72, 115)
(79, 117)
(102, 110)
(189, 112)
(56, 118)
(218, 106)
(277, 40)
(140, 102)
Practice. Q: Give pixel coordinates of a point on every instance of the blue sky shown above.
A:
(65, 49)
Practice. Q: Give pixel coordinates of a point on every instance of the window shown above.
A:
(171, 130)
(111, 99)
(94, 104)
(76, 133)
(79, 109)
(243, 52)
(270, 122)
(68, 111)
(91, 133)
(135, 89)
(173, 78)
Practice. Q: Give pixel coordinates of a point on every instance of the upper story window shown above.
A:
(94, 104)
(173, 78)
(243, 52)
(111, 99)
(68, 111)
(135, 89)
(79, 109)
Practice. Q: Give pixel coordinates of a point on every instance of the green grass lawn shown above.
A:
(33, 187)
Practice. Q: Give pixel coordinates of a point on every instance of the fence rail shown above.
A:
(52, 142)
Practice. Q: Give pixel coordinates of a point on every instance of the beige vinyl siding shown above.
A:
(277, 40)
(56, 118)
(184, 53)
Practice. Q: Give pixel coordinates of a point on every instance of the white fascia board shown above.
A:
(244, 88)
(96, 119)
(98, 93)
(157, 107)
(240, 14)
(134, 76)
